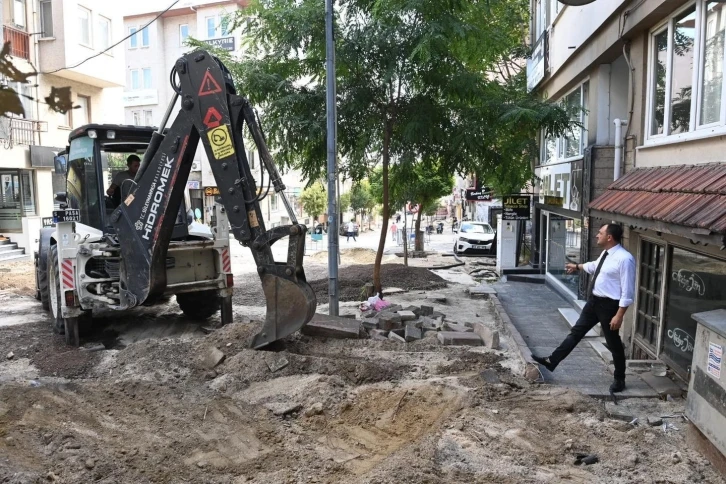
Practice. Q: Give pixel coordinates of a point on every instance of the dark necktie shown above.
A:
(597, 273)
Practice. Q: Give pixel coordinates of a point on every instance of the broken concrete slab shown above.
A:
(661, 384)
(655, 421)
(369, 323)
(438, 298)
(448, 338)
(326, 326)
(489, 335)
(490, 375)
(453, 326)
(394, 337)
(276, 362)
(407, 315)
(619, 412)
(427, 310)
(213, 358)
(379, 334)
(482, 291)
(412, 333)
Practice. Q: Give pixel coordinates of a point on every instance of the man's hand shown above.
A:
(110, 191)
(616, 322)
(571, 268)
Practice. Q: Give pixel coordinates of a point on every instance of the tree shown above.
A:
(314, 200)
(360, 197)
(417, 82)
(344, 203)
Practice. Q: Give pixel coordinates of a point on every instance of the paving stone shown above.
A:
(368, 314)
(661, 384)
(490, 375)
(414, 309)
(430, 324)
(489, 335)
(455, 338)
(369, 323)
(393, 308)
(427, 310)
(619, 412)
(276, 362)
(604, 353)
(412, 333)
(482, 291)
(452, 326)
(326, 326)
(213, 358)
(378, 334)
(394, 337)
(389, 321)
(400, 332)
(407, 315)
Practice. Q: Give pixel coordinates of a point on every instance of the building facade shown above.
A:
(55, 38)
(151, 52)
(644, 80)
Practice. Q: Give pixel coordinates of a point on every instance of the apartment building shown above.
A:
(150, 55)
(53, 38)
(645, 80)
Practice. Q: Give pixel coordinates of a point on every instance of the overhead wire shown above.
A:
(114, 45)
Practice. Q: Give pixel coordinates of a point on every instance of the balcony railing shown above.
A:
(18, 131)
(19, 42)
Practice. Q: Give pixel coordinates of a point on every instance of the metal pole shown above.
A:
(332, 169)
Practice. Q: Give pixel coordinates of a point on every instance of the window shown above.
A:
(273, 202)
(46, 18)
(211, 27)
(26, 180)
(217, 26)
(133, 40)
(19, 13)
(84, 26)
(145, 37)
(104, 33)
(573, 143)
(183, 33)
(135, 79)
(148, 114)
(686, 71)
(83, 112)
(136, 118)
(147, 77)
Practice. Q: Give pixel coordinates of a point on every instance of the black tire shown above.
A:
(198, 305)
(41, 278)
(57, 323)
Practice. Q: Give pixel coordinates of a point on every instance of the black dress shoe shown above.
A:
(544, 361)
(617, 386)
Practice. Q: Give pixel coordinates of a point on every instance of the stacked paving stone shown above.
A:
(412, 323)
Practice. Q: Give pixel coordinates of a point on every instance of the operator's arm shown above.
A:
(627, 291)
(111, 189)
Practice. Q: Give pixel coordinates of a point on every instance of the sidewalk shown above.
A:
(533, 311)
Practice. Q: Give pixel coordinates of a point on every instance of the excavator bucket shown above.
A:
(290, 305)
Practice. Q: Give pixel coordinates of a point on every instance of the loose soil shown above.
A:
(149, 410)
(18, 277)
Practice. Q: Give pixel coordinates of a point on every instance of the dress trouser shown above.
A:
(597, 310)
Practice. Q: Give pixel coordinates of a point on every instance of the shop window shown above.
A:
(647, 318)
(564, 237)
(696, 283)
(686, 63)
(572, 144)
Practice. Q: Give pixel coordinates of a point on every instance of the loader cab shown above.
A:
(96, 153)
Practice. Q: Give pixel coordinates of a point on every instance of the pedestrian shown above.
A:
(454, 225)
(609, 294)
(398, 218)
(393, 231)
(350, 231)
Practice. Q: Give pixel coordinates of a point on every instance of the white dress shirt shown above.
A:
(617, 276)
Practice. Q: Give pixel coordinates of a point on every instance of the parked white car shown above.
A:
(474, 237)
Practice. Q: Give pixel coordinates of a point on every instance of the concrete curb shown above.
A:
(521, 347)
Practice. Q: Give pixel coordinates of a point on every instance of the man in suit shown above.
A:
(610, 292)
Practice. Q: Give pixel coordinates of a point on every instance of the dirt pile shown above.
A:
(354, 256)
(18, 277)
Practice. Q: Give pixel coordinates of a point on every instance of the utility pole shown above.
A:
(332, 169)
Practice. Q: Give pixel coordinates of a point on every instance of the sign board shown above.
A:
(715, 356)
(211, 191)
(141, 97)
(43, 156)
(560, 185)
(224, 43)
(516, 208)
(194, 185)
(537, 64)
(478, 194)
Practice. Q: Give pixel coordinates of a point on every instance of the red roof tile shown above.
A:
(691, 196)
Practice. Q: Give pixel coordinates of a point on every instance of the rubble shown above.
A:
(456, 338)
(407, 315)
(395, 337)
(412, 333)
(323, 325)
(213, 358)
(489, 335)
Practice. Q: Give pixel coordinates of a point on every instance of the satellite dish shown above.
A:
(576, 3)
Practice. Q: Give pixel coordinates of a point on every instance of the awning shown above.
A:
(685, 200)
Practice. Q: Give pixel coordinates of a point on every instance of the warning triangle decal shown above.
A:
(209, 85)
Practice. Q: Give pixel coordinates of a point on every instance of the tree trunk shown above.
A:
(419, 245)
(387, 129)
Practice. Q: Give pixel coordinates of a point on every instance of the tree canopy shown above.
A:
(314, 200)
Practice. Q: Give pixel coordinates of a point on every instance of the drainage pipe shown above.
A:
(617, 167)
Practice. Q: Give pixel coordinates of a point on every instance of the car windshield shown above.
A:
(477, 228)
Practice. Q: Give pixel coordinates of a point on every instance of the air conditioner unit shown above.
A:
(196, 166)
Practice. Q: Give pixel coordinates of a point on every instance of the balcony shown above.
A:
(19, 131)
(19, 42)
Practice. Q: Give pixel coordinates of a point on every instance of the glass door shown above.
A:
(10, 202)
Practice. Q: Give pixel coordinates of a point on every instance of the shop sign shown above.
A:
(516, 208)
(537, 64)
(193, 185)
(560, 185)
(478, 194)
(225, 43)
(211, 191)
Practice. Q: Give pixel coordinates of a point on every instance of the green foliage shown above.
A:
(314, 200)
(361, 199)
(344, 202)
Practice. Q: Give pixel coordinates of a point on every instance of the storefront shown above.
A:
(17, 198)
(677, 228)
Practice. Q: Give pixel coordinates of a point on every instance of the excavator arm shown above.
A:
(211, 111)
